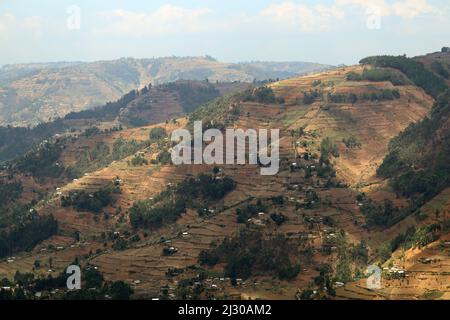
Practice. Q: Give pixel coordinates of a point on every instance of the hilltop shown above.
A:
(36, 93)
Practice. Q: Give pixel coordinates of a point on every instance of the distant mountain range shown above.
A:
(39, 92)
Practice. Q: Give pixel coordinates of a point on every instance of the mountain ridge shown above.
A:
(35, 93)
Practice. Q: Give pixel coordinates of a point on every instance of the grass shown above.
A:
(292, 116)
(432, 295)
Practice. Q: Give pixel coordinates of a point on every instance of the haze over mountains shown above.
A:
(39, 92)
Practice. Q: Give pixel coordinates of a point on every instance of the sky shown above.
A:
(324, 31)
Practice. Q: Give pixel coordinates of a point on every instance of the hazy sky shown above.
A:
(327, 31)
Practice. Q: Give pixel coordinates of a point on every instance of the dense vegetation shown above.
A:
(21, 228)
(9, 191)
(420, 237)
(379, 95)
(216, 114)
(379, 74)
(87, 201)
(191, 94)
(168, 206)
(157, 133)
(414, 70)
(262, 95)
(249, 211)
(311, 96)
(440, 69)
(384, 215)
(107, 112)
(16, 141)
(41, 162)
(251, 254)
(93, 287)
(418, 162)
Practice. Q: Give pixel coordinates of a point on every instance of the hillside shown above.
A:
(309, 231)
(151, 104)
(35, 93)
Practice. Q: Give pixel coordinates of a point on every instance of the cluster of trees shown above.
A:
(440, 69)
(15, 141)
(311, 96)
(251, 254)
(419, 237)
(192, 94)
(351, 142)
(312, 200)
(377, 75)
(414, 70)
(262, 95)
(94, 287)
(91, 131)
(164, 157)
(385, 214)
(216, 114)
(413, 171)
(138, 161)
(9, 191)
(24, 230)
(87, 201)
(381, 95)
(168, 206)
(157, 133)
(41, 162)
(206, 186)
(328, 149)
(150, 215)
(107, 112)
(249, 211)
(123, 148)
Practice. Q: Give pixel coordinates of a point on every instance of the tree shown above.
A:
(93, 278)
(157, 133)
(120, 290)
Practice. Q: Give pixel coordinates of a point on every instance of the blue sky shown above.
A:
(326, 31)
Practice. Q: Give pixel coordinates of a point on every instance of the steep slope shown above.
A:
(439, 63)
(35, 93)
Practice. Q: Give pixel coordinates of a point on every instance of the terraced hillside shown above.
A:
(334, 133)
(36, 93)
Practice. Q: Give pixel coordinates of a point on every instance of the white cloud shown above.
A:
(412, 8)
(11, 26)
(301, 17)
(286, 16)
(167, 20)
(399, 8)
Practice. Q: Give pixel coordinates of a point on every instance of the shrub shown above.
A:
(157, 133)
